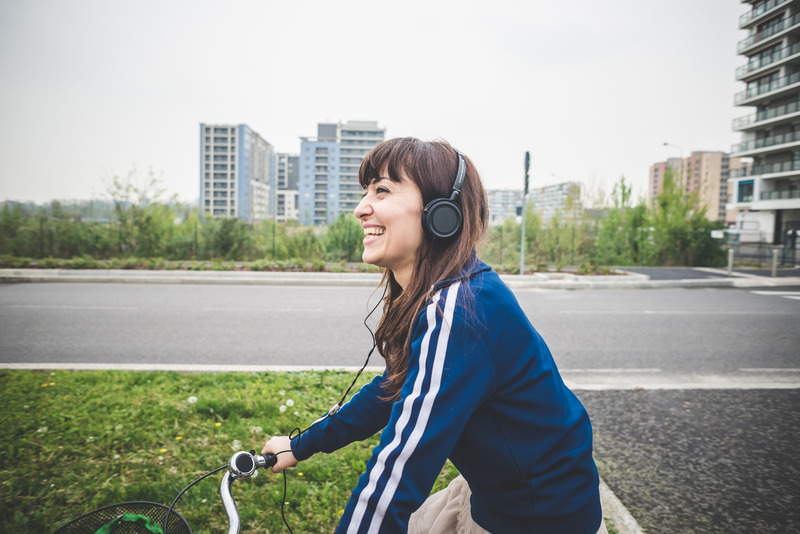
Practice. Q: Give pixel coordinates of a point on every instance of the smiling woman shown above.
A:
(467, 376)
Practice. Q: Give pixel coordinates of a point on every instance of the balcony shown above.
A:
(778, 170)
(766, 144)
(761, 9)
(768, 116)
(787, 199)
(780, 195)
(756, 64)
(773, 31)
(772, 89)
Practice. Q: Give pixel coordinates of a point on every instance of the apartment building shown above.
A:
(328, 169)
(764, 197)
(285, 200)
(503, 204)
(705, 173)
(564, 198)
(236, 170)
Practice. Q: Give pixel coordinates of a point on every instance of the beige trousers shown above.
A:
(448, 512)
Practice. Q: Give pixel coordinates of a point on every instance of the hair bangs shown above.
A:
(395, 156)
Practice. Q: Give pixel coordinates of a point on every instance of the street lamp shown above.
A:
(680, 151)
(522, 233)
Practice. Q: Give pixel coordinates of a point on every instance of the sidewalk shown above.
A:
(686, 277)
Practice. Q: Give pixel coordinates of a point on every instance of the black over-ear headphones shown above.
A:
(442, 217)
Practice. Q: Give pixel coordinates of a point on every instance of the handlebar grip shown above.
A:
(269, 460)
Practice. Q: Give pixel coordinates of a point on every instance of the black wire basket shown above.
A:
(91, 522)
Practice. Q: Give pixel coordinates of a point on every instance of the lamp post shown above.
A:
(680, 151)
(524, 194)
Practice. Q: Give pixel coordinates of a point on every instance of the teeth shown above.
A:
(373, 231)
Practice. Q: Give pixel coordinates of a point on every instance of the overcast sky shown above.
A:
(92, 88)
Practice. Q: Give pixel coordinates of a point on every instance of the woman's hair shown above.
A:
(432, 166)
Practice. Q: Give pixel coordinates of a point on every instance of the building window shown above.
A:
(746, 191)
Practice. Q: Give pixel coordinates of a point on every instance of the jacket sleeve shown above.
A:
(361, 417)
(449, 375)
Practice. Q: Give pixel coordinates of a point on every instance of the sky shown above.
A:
(92, 89)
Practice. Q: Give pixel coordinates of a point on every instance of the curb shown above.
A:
(528, 281)
(615, 511)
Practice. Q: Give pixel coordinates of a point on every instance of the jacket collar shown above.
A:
(470, 269)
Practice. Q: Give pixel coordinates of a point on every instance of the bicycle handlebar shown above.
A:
(242, 464)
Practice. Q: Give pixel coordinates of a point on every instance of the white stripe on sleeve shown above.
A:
(407, 410)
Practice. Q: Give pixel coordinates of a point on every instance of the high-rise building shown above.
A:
(765, 196)
(328, 172)
(286, 184)
(503, 204)
(563, 198)
(236, 170)
(704, 173)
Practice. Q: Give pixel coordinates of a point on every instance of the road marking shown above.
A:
(621, 370)
(180, 367)
(670, 312)
(776, 293)
(769, 370)
(576, 379)
(68, 307)
(264, 310)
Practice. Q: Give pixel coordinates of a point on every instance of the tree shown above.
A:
(344, 239)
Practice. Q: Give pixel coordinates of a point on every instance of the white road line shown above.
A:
(575, 379)
(264, 310)
(187, 368)
(769, 370)
(621, 370)
(781, 293)
(669, 312)
(69, 307)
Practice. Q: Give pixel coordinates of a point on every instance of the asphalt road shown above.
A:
(661, 332)
(681, 457)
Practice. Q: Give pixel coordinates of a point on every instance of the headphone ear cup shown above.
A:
(442, 218)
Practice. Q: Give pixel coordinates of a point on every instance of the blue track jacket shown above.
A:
(483, 390)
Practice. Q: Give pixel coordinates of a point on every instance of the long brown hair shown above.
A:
(432, 166)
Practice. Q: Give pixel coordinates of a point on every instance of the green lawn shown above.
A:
(74, 441)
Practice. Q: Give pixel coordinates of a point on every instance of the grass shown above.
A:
(77, 440)
(74, 441)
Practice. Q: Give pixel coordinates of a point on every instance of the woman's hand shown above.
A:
(281, 447)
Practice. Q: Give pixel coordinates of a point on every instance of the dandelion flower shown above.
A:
(178, 437)
(282, 408)
(296, 414)
(192, 399)
(341, 512)
(118, 427)
(256, 429)
(217, 425)
(51, 384)
(299, 474)
(90, 439)
(41, 429)
(236, 445)
(162, 451)
(282, 392)
(44, 385)
(290, 402)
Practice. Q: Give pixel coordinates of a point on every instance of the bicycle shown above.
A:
(140, 516)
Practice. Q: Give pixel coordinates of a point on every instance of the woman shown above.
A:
(467, 376)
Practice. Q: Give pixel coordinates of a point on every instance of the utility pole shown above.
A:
(524, 195)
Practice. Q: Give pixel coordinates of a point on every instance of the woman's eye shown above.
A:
(381, 190)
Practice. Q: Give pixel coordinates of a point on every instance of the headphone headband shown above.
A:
(462, 172)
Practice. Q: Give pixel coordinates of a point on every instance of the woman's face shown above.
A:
(390, 214)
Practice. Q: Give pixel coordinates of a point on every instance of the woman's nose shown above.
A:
(363, 209)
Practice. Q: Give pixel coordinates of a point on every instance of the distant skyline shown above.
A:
(92, 88)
